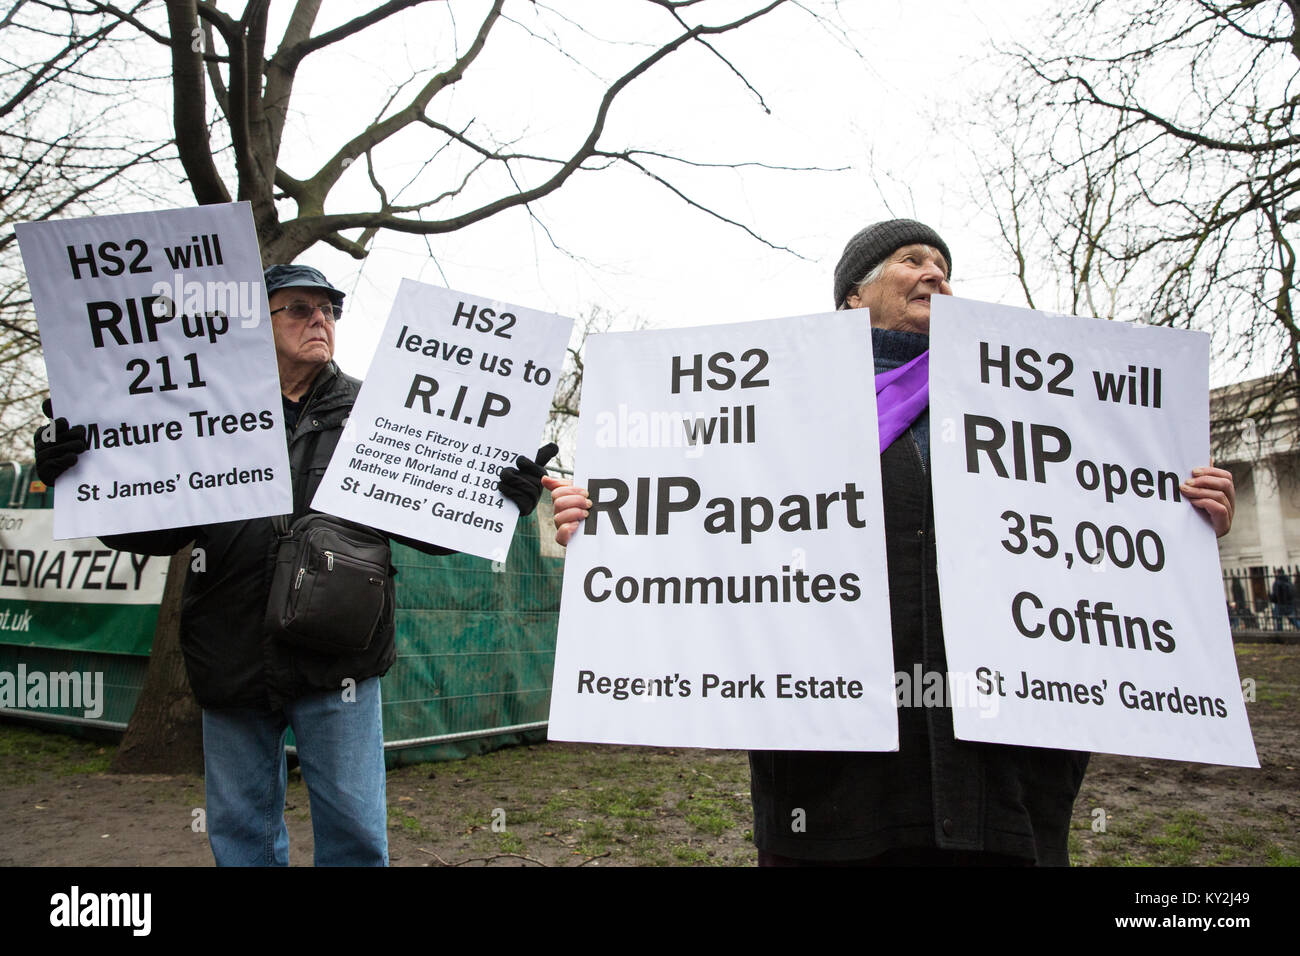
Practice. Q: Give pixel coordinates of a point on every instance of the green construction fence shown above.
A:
(475, 647)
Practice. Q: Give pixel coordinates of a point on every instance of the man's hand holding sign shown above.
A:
(57, 445)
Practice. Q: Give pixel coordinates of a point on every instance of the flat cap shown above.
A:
(299, 277)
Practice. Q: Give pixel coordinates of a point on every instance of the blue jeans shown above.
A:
(341, 751)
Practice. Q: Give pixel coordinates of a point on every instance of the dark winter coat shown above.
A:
(231, 659)
(936, 791)
(1283, 594)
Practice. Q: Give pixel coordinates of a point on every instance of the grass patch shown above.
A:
(624, 805)
(1273, 693)
(595, 839)
(509, 843)
(398, 819)
(690, 855)
(638, 803)
(1277, 856)
(99, 763)
(708, 814)
(1241, 837)
(25, 751)
(1180, 840)
(638, 829)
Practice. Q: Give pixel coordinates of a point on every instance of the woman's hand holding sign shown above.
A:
(1211, 490)
(571, 506)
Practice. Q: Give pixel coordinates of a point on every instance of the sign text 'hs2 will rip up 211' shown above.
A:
(458, 389)
(1082, 600)
(156, 338)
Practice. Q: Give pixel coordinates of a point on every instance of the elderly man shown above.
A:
(253, 686)
(937, 800)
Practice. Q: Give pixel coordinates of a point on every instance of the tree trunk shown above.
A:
(166, 730)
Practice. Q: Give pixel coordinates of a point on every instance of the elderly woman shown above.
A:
(937, 799)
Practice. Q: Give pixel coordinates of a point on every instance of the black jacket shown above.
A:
(229, 656)
(936, 791)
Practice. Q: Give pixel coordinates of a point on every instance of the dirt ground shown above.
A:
(570, 805)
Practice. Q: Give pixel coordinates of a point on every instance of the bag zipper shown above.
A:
(329, 566)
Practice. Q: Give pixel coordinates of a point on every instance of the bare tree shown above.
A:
(562, 420)
(233, 114)
(66, 148)
(1147, 162)
(240, 133)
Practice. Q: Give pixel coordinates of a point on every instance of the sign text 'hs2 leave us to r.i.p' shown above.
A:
(458, 389)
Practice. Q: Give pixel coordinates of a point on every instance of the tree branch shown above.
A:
(189, 109)
(314, 223)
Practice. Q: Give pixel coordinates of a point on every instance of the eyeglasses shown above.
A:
(303, 310)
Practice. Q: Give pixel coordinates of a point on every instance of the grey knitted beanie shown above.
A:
(874, 244)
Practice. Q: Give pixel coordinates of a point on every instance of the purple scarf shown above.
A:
(902, 394)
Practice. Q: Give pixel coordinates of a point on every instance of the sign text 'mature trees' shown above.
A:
(1082, 600)
(729, 586)
(157, 339)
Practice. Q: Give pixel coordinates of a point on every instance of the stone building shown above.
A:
(1255, 434)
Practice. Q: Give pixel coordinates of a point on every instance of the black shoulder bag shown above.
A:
(329, 584)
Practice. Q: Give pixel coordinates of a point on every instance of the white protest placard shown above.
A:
(1082, 601)
(729, 587)
(458, 389)
(157, 339)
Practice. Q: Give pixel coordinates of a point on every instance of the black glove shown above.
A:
(57, 446)
(523, 483)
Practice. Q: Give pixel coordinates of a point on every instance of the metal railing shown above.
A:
(1263, 599)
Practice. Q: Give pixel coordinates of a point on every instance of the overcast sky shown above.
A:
(884, 107)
